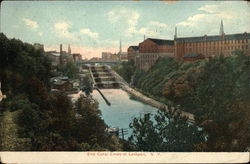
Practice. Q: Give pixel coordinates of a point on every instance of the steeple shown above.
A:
(60, 53)
(175, 33)
(69, 49)
(144, 37)
(120, 51)
(221, 28)
(120, 46)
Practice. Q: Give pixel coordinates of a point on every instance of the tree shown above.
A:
(69, 69)
(221, 103)
(167, 132)
(126, 70)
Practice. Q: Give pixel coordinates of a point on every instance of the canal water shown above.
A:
(122, 110)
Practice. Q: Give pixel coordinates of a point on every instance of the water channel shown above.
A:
(122, 110)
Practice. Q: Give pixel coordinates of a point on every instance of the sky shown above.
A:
(93, 27)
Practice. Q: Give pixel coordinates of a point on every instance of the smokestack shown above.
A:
(61, 54)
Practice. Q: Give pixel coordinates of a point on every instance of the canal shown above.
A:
(122, 110)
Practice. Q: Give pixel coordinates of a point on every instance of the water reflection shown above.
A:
(123, 108)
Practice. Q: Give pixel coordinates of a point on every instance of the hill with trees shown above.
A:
(34, 119)
(215, 90)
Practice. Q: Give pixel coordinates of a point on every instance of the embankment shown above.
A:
(153, 102)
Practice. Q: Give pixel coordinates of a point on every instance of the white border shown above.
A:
(123, 157)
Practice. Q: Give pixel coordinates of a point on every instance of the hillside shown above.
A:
(215, 90)
(34, 119)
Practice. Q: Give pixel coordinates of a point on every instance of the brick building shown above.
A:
(132, 52)
(77, 56)
(151, 49)
(108, 56)
(210, 46)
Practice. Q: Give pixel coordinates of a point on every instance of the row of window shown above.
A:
(218, 48)
(219, 42)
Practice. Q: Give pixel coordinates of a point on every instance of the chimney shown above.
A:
(61, 62)
(175, 33)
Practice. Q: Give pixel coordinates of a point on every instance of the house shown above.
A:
(63, 85)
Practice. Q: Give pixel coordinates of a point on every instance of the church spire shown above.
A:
(69, 49)
(175, 33)
(221, 28)
(120, 46)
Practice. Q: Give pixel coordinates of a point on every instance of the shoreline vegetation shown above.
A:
(215, 90)
(150, 101)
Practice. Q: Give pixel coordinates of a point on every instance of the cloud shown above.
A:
(125, 19)
(194, 20)
(40, 33)
(212, 14)
(30, 23)
(62, 29)
(124, 15)
(89, 33)
(208, 21)
(157, 24)
(209, 8)
(153, 28)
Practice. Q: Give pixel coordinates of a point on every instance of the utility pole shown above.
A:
(123, 132)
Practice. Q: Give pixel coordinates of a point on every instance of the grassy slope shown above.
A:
(8, 134)
(168, 79)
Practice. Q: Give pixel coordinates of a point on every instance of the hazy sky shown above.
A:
(92, 27)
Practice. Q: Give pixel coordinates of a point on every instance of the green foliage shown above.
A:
(93, 128)
(167, 132)
(44, 121)
(215, 90)
(125, 70)
(153, 81)
(221, 102)
(69, 69)
(18, 62)
(87, 84)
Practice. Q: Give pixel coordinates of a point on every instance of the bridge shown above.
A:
(93, 62)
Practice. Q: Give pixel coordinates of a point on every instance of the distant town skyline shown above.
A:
(93, 27)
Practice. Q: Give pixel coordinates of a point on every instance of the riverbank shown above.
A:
(153, 102)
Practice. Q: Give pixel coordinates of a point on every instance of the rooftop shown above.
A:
(162, 41)
(206, 38)
(134, 47)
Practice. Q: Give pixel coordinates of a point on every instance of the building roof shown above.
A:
(54, 53)
(134, 47)
(206, 38)
(162, 41)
